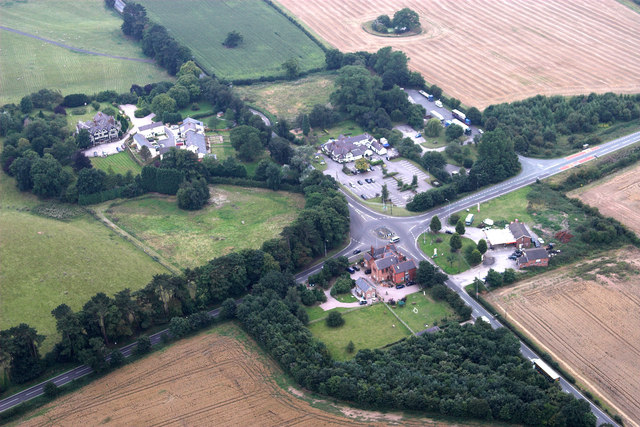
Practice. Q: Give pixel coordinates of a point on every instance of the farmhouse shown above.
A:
(349, 149)
(189, 135)
(102, 128)
(537, 257)
(151, 130)
(515, 233)
(520, 233)
(389, 264)
(364, 289)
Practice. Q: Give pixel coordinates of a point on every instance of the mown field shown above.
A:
(237, 218)
(422, 312)
(370, 327)
(288, 99)
(269, 38)
(118, 163)
(47, 262)
(505, 208)
(28, 64)
(450, 265)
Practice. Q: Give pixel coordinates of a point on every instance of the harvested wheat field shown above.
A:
(587, 316)
(617, 197)
(217, 378)
(485, 52)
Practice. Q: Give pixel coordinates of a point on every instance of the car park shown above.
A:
(400, 286)
(356, 251)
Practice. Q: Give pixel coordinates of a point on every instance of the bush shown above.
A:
(144, 345)
(335, 319)
(116, 359)
(50, 390)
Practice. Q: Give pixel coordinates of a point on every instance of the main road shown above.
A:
(363, 223)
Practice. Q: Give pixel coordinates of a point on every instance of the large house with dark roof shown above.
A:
(520, 234)
(102, 128)
(537, 257)
(349, 149)
(387, 263)
(189, 135)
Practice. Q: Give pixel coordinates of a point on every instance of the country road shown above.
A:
(75, 49)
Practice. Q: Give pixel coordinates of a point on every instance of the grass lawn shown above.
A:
(118, 163)
(457, 264)
(421, 310)
(505, 208)
(269, 38)
(316, 313)
(347, 128)
(346, 298)
(288, 99)
(369, 327)
(189, 239)
(437, 142)
(205, 108)
(28, 64)
(47, 262)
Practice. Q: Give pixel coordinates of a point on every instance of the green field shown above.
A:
(47, 262)
(504, 209)
(28, 64)
(457, 264)
(118, 163)
(189, 239)
(269, 38)
(369, 327)
(347, 128)
(422, 312)
(288, 99)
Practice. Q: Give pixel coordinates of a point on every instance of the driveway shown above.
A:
(497, 259)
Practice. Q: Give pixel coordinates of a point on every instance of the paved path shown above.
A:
(75, 49)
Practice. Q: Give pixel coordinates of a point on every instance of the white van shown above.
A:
(394, 239)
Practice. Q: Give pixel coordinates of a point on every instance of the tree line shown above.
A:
(87, 334)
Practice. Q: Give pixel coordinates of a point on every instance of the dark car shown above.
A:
(411, 283)
(367, 271)
(513, 257)
(363, 302)
(356, 251)
(367, 180)
(399, 286)
(351, 270)
(356, 268)
(360, 182)
(363, 197)
(448, 231)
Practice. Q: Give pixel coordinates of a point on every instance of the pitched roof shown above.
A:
(385, 262)
(100, 121)
(150, 126)
(197, 139)
(141, 140)
(363, 284)
(194, 121)
(518, 230)
(356, 139)
(533, 254)
(404, 266)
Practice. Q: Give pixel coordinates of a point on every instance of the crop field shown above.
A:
(219, 375)
(488, 52)
(586, 316)
(369, 327)
(47, 261)
(288, 99)
(237, 218)
(118, 163)
(269, 38)
(617, 196)
(29, 64)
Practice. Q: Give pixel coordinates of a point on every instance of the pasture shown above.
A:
(369, 327)
(219, 375)
(288, 99)
(586, 316)
(269, 38)
(236, 218)
(29, 65)
(490, 52)
(117, 163)
(48, 261)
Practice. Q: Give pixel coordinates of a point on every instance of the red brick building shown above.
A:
(537, 257)
(389, 264)
(520, 234)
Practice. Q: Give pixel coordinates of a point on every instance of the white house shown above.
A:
(152, 130)
(349, 149)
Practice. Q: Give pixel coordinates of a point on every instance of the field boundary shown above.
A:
(398, 317)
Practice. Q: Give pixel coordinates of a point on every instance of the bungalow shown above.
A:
(102, 128)
(364, 289)
(537, 257)
(520, 234)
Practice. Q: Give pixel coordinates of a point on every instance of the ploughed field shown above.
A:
(586, 316)
(215, 378)
(617, 197)
(486, 52)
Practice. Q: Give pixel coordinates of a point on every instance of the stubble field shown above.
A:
(586, 316)
(617, 197)
(486, 52)
(216, 378)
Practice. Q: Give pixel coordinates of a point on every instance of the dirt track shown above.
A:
(486, 52)
(618, 197)
(587, 318)
(211, 379)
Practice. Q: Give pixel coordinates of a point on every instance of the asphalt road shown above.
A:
(364, 221)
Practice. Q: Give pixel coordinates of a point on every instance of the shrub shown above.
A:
(335, 319)
(144, 345)
(50, 390)
(116, 359)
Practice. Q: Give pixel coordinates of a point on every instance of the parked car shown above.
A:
(411, 283)
(513, 257)
(363, 302)
(400, 286)
(356, 251)
(360, 182)
(368, 180)
(363, 197)
(418, 135)
(448, 231)
(356, 268)
(350, 270)
(367, 271)
(373, 180)
(439, 103)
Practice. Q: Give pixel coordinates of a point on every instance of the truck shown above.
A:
(461, 116)
(465, 128)
(469, 219)
(545, 369)
(426, 95)
(436, 115)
